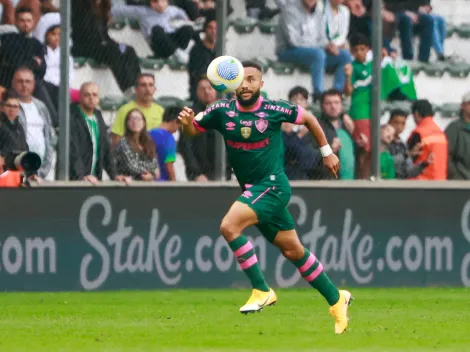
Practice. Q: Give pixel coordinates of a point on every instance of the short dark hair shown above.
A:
(253, 64)
(171, 113)
(23, 9)
(202, 77)
(358, 39)
(209, 18)
(142, 75)
(9, 94)
(23, 69)
(422, 107)
(330, 92)
(298, 90)
(396, 113)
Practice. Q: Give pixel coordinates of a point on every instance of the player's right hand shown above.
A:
(186, 116)
(331, 162)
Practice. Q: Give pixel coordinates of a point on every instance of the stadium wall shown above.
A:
(111, 237)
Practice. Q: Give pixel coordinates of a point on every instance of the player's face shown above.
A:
(360, 52)
(332, 106)
(398, 122)
(135, 121)
(387, 134)
(250, 89)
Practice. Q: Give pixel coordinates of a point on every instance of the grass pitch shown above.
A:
(202, 320)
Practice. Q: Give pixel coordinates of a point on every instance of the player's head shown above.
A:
(299, 95)
(420, 109)
(332, 103)
(359, 47)
(170, 119)
(398, 120)
(250, 89)
(387, 134)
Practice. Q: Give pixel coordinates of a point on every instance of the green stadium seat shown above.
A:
(79, 62)
(95, 64)
(282, 68)
(264, 63)
(112, 103)
(463, 30)
(189, 103)
(151, 64)
(118, 23)
(401, 104)
(175, 64)
(244, 25)
(451, 29)
(167, 101)
(267, 27)
(133, 23)
(449, 109)
(435, 69)
(416, 66)
(459, 69)
(315, 109)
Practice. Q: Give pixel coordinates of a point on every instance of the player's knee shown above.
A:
(229, 230)
(293, 253)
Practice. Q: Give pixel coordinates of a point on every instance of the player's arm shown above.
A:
(330, 160)
(186, 117)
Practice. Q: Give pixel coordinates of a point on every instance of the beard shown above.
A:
(250, 101)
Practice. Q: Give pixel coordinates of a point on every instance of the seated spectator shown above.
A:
(311, 45)
(428, 138)
(12, 134)
(135, 153)
(90, 19)
(189, 6)
(90, 152)
(411, 20)
(440, 32)
(144, 92)
(21, 49)
(207, 8)
(166, 144)
(387, 165)
(35, 119)
(299, 96)
(201, 55)
(258, 9)
(404, 167)
(166, 27)
(458, 135)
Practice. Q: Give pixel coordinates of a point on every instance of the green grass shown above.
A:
(202, 320)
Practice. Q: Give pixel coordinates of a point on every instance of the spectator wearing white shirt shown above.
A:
(35, 119)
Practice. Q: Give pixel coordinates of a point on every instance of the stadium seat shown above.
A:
(416, 66)
(267, 27)
(167, 101)
(244, 25)
(264, 63)
(133, 23)
(118, 24)
(175, 65)
(451, 29)
(95, 64)
(463, 30)
(449, 109)
(282, 68)
(112, 103)
(152, 64)
(435, 69)
(79, 62)
(459, 69)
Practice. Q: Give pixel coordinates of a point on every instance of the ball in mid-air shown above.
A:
(225, 73)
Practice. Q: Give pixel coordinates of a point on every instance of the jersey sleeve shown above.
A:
(208, 119)
(170, 150)
(290, 112)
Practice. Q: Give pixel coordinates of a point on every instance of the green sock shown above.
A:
(312, 271)
(246, 257)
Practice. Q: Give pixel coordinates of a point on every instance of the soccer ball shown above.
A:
(226, 74)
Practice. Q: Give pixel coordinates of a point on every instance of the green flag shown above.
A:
(405, 75)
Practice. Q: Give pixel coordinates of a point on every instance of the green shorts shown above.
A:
(269, 201)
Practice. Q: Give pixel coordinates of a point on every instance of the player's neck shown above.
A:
(252, 107)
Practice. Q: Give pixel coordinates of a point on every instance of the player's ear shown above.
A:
(262, 84)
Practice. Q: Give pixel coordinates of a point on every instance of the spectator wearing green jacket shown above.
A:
(387, 164)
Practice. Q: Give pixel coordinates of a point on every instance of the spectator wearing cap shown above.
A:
(458, 136)
(201, 55)
(428, 138)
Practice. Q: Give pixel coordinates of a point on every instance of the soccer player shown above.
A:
(251, 128)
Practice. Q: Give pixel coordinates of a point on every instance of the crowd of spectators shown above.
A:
(321, 35)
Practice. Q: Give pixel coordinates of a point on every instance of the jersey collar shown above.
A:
(255, 107)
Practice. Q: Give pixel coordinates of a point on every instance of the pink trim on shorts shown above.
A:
(243, 249)
(249, 262)
(315, 273)
(198, 127)
(299, 115)
(256, 107)
(262, 194)
(310, 261)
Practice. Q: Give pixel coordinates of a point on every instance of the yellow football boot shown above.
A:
(340, 311)
(259, 300)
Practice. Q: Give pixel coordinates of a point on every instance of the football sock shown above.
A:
(312, 271)
(246, 257)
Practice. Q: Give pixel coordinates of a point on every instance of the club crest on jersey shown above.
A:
(261, 125)
(261, 114)
(231, 113)
(246, 132)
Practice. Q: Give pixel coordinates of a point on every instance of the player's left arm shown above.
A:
(330, 160)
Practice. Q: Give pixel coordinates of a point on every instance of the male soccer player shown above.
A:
(251, 128)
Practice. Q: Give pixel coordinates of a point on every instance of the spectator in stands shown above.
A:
(166, 27)
(201, 55)
(258, 9)
(35, 119)
(440, 32)
(428, 138)
(342, 145)
(12, 134)
(458, 135)
(387, 165)
(166, 144)
(90, 19)
(90, 152)
(21, 49)
(404, 166)
(199, 152)
(412, 19)
(135, 153)
(189, 6)
(311, 44)
(144, 92)
(207, 8)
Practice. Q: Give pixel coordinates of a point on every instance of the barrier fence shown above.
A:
(109, 238)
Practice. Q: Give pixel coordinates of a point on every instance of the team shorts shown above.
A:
(362, 127)
(269, 201)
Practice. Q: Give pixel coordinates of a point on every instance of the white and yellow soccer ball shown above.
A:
(226, 74)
